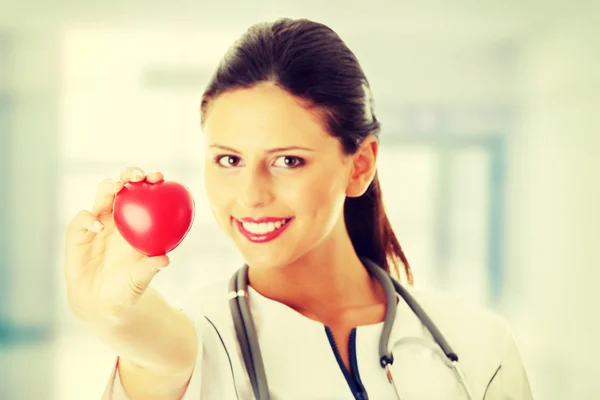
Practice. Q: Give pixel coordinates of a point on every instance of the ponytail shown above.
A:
(371, 232)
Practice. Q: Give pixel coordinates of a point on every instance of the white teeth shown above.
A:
(262, 228)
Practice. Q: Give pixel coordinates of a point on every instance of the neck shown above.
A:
(329, 279)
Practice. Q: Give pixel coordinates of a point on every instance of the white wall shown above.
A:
(554, 214)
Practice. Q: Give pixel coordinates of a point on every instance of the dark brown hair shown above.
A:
(310, 61)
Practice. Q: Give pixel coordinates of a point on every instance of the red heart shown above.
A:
(153, 217)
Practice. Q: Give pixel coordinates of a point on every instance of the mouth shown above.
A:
(262, 230)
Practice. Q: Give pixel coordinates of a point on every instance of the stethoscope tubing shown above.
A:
(247, 334)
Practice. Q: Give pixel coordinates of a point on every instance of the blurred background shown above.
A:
(491, 136)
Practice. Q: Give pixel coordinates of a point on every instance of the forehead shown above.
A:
(264, 115)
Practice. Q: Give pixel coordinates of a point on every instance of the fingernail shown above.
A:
(137, 174)
(98, 226)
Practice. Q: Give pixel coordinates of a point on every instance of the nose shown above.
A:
(255, 189)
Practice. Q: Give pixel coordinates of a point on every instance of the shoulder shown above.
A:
(481, 338)
(208, 307)
(461, 317)
(209, 298)
(465, 324)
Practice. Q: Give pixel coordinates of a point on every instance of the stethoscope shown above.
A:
(248, 340)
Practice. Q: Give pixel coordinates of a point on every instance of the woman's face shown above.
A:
(275, 178)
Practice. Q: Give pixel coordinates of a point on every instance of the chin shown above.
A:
(271, 257)
(264, 261)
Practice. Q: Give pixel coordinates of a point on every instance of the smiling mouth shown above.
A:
(262, 230)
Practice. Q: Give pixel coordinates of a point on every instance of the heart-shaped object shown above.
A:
(153, 217)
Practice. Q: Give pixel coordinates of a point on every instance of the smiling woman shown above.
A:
(292, 143)
(279, 151)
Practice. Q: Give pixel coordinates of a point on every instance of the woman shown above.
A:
(292, 143)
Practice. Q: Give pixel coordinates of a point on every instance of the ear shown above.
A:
(364, 166)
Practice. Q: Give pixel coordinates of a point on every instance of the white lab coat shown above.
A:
(300, 363)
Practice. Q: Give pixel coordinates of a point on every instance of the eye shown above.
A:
(288, 162)
(228, 161)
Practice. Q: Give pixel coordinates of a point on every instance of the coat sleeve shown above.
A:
(114, 389)
(510, 381)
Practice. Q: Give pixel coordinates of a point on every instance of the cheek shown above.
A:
(319, 196)
(218, 194)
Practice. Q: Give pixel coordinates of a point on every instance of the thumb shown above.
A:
(145, 270)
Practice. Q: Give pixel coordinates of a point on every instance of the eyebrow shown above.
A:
(274, 150)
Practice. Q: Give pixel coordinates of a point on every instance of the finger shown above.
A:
(154, 177)
(132, 174)
(83, 223)
(143, 273)
(103, 204)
